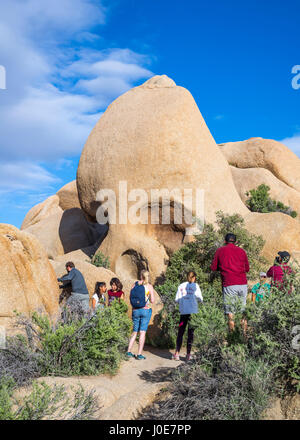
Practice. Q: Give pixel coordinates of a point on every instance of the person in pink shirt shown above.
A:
(232, 262)
(279, 269)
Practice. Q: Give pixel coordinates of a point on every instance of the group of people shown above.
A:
(80, 293)
(230, 260)
(80, 297)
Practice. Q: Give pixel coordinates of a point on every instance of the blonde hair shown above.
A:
(191, 274)
(145, 276)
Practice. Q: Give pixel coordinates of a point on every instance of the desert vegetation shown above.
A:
(100, 260)
(260, 201)
(45, 402)
(75, 345)
(197, 256)
(232, 376)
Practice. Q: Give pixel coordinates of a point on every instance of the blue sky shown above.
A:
(66, 60)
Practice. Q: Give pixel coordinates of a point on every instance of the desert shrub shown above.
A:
(270, 337)
(198, 256)
(210, 323)
(100, 260)
(45, 402)
(20, 360)
(260, 201)
(233, 377)
(218, 385)
(86, 346)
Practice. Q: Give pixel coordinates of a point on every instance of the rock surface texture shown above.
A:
(153, 137)
(60, 224)
(246, 179)
(27, 280)
(265, 153)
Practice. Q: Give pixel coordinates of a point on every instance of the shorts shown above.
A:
(141, 319)
(234, 298)
(79, 299)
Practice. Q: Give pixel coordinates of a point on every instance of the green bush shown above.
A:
(198, 256)
(100, 260)
(260, 201)
(233, 377)
(218, 385)
(45, 402)
(76, 347)
(87, 347)
(271, 324)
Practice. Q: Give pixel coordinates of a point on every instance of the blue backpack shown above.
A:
(137, 296)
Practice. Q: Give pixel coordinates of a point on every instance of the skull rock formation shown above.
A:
(153, 137)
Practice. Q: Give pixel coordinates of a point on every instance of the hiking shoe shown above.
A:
(188, 357)
(139, 357)
(176, 357)
(129, 354)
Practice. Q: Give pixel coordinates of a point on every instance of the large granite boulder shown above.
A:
(68, 196)
(153, 137)
(27, 279)
(280, 232)
(265, 153)
(61, 230)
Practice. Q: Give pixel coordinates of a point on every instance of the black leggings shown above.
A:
(184, 321)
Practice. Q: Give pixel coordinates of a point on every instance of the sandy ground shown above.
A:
(134, 387)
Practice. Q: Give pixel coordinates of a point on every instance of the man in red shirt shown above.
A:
(232, 262)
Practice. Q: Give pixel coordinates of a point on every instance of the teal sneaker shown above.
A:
(129, 354)
(139, 357)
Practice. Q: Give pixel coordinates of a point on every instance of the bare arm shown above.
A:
(151, 292)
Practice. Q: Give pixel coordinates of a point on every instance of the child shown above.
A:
(261, 289)
(99, 299)
(115, 291)
(188, 295)
(279, 269)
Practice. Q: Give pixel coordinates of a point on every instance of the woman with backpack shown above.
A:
(141, 298)
(188, 295)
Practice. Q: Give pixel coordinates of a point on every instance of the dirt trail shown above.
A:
(134, 387)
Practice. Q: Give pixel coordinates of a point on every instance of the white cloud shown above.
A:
(293, 143)
(22, 176)
(56, 90)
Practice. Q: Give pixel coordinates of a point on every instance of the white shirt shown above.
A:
(188, 295)
(96, 298)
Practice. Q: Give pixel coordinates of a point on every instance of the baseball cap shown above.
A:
(263, 274)
(283, 254)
